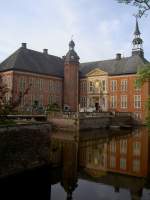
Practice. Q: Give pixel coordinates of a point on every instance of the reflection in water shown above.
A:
(95, 165)
(115, 159)
(125, 154)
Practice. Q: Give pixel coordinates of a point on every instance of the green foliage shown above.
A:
(148, 115)
(7, 122)
(53, 107)
(143, 76)
(142, 5)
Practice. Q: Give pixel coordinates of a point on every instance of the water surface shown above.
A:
(91, 165)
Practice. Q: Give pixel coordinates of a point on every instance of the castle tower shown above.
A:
(137, 42)
(71, 79)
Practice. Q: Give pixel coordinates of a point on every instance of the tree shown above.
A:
(142, 5)
(7, 106)
(143, 76)
(3, 91)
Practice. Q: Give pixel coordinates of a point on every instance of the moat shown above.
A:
(91, 165)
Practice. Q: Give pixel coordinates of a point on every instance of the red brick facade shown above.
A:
(122, 95)
(44, 89)
(71, 79)
(121, 92)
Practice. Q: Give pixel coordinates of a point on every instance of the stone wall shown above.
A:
(23, 147)
(94, 122)
(90, 122)
(65, 124)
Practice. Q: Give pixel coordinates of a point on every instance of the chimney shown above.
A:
(24, 45)
(118, 56)
(45, 51)
(63, 57)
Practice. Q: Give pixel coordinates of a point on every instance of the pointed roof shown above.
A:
(28, 60)
(137, 30)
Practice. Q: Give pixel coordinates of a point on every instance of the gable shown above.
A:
(97, 72)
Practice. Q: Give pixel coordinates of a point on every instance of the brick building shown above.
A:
(107, 85)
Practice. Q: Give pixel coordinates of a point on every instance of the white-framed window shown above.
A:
(7, 96)
(103, 101)
(123, 163)
(113, 85)
(91, 86)
(124, 85)
(7, 80)
(40, 84)
(83, 86)
(50, 86)
(124, 101)
(112, 161)
(113, 100)
(83, 102)
(113, 147)
(31, 82)
(22, 84)
(136, 148)
(103, 85)
(50, 99)
(137, 101)
(136, 165)
(123, 146)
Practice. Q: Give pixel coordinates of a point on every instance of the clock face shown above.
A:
(72, 57)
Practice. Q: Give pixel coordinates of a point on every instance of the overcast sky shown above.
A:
(101, 28)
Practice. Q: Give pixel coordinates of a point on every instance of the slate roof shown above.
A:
(36, 62)
(32, 61)
(128, 65)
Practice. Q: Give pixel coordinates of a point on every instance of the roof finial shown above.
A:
(71, 43)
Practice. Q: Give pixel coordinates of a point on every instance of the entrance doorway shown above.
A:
(97, 106)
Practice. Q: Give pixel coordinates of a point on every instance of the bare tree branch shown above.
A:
(142, 5)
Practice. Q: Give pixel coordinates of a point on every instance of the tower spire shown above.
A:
(137, 30)
(137, 41)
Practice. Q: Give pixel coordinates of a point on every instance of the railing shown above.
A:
(24, 117)
(123, 114)
(74, 115)
(94, 114)
(65, 115)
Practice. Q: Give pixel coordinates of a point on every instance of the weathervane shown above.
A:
(71, 37)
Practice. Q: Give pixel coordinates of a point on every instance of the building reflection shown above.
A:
(119, 159)
(124, 154)
(65, 156)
